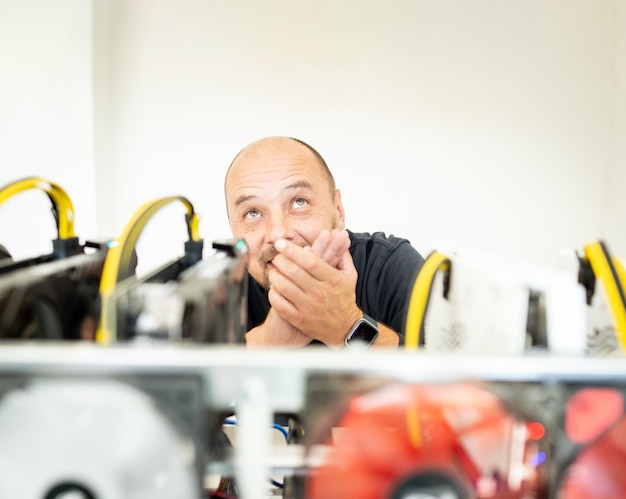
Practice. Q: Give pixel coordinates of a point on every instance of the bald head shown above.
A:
(261, 149)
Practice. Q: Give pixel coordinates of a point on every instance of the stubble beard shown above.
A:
(264, 258)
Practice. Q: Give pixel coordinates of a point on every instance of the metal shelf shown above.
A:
(225, 368)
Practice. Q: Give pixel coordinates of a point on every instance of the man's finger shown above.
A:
(301, 264)
(290, 284)
(320, 244)
(301, 257)
(337, 246)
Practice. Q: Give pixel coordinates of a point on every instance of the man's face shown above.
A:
(278, 190)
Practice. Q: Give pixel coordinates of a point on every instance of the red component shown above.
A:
(442, 440)
(536, 431)
(598, 471)
(594, 417)
(590, 412)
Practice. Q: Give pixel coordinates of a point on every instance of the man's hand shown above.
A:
(314, 288)
(276, 331)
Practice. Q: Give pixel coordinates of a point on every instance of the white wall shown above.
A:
(45, 117)
(481, 126)
(615, 175)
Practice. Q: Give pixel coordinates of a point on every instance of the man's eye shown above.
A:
(251, 214)
(299, 202)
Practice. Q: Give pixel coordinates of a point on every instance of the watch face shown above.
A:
(363, 334)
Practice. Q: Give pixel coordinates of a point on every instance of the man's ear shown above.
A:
(341, 214)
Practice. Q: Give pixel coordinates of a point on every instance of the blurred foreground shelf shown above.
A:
(206, 383)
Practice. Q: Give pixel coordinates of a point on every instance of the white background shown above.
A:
(481, 125)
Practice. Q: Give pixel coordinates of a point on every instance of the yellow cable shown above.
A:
(420, 296)
(413, 426)
(60, 199)
(621, 273)
(121, 251)
(611, 274)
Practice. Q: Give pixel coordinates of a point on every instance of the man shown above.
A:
(312, 280)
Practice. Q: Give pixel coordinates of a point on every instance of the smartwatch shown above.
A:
(363, 333)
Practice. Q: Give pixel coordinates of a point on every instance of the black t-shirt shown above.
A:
(386, 267)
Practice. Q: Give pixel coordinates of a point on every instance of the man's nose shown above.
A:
(278, 227)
